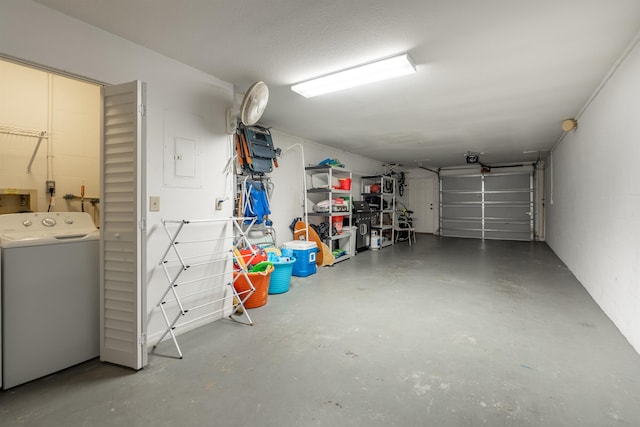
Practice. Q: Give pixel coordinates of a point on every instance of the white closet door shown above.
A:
(421, 202)
(122, 305)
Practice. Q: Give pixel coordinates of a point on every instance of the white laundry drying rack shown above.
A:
(174, 268)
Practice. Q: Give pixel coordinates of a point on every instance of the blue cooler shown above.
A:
(305, 254)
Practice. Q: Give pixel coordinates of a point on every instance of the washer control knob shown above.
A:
(68, 221)
(27, 223)
(48, 222)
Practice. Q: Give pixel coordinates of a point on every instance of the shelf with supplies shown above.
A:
(329, 200)
(379, 192)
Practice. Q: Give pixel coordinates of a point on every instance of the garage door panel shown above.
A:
(472, 234)
(507, 181)
(507, 235)
(461, 211)
(463, 198)
(520, 226)
(508, 196)
(507, 212)
(462, 183)
(463, 224)
(487, 206)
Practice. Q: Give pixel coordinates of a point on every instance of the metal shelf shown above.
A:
(324, 168)
(343, 258)
(342, 235)
(326, 191)
(382, 227)
(388, 197)
(329, 190)
(327, 214)
(378, 194)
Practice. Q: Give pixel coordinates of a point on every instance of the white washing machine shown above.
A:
(50, 282)
(0, 316)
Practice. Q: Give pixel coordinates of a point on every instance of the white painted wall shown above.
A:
(69, 111)
(181, 101)
(34, 33)
(288, 178)
(593, 222)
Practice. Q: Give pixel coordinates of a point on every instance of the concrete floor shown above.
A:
(449, 332)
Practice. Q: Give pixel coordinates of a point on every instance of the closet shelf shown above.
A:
(10, 130)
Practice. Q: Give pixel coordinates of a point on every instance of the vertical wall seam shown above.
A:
(612, 71)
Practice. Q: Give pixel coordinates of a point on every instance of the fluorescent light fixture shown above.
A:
(364, 74)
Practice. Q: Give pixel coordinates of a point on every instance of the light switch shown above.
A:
(154, 203)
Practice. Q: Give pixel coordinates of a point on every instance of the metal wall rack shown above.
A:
(261, 233)
(10, 130)
(201, 277)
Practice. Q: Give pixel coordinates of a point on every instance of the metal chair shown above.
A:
(403, 226)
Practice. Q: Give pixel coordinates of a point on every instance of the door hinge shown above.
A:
(143, 339)
(142, 109)
(142, 224)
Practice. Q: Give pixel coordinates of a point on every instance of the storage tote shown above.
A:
(305, 254)
(260, 281)
(281, 276)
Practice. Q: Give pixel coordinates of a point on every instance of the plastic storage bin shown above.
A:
(281, 276)
(260, 282)
(337, 223)
(305, 254)
(345, 183)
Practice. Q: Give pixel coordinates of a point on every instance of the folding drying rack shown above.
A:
(209, 284)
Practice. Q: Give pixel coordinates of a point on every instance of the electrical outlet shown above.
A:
(154, 203)
(51, 187)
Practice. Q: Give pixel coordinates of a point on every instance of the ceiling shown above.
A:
(493, 76)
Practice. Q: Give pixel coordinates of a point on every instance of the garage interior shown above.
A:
(525, 315)
(454, 332)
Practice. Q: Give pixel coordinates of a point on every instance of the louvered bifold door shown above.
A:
(122, 299)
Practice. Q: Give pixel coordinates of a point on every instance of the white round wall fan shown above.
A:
(253, 104)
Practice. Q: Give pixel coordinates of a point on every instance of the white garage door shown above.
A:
(487, 206)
